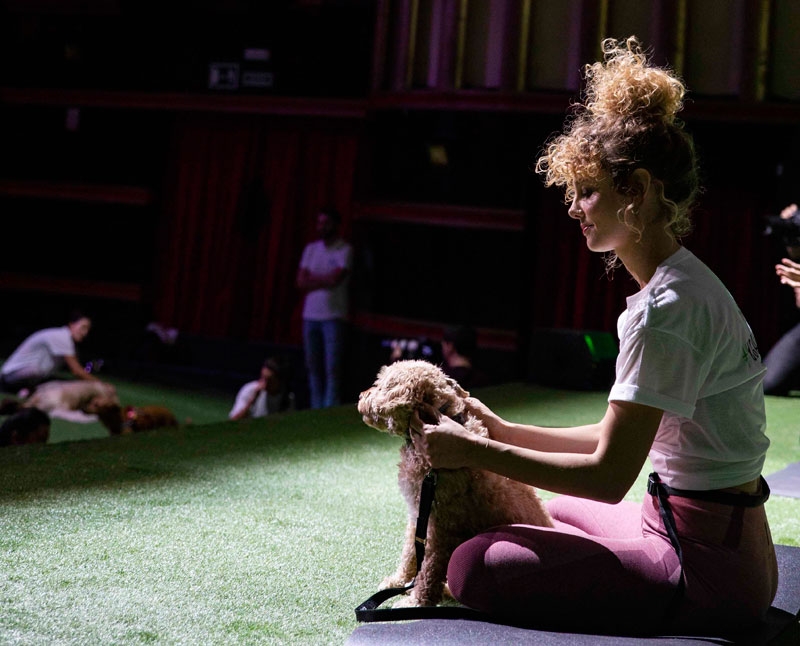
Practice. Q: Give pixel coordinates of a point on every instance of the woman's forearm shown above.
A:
(599, 461)
(579, 439)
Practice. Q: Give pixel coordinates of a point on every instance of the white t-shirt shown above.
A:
(686, 348)
(41, 354)
(262, 406)
(327, 304)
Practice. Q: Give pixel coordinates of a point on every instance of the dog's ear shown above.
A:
(398, 395)
(459, 391)
(397, 419)
(446, 394)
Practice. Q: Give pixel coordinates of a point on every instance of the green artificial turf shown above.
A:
(260, 532)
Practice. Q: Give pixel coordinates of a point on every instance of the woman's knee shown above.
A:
(493, 568)
(466, 570)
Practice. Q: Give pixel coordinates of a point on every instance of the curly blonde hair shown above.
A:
(628, 121)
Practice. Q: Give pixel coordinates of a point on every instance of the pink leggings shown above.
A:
(611, 568)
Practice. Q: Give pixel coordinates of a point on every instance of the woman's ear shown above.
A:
(638, 186)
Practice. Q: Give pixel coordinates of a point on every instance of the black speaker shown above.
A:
(572, 359)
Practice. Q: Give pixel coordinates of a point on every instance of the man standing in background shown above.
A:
(324, 276)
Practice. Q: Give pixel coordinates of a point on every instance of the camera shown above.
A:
(412, 348)
(788, 229)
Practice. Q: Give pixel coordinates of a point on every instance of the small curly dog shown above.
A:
(467, 501)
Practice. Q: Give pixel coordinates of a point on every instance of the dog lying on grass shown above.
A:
(122, 420)
(467, 501)
(69, 400)
(90, 401)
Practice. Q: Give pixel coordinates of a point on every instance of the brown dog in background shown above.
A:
(122, 420)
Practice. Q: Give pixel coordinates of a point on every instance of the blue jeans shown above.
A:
(323, 342)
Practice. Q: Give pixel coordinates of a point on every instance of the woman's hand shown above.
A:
(489, 418)
(789, 272)
(789, 211)
(445, 444)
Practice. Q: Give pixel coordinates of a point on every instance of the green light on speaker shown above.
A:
(590, 345)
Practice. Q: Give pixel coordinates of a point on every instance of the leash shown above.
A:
(662, 492)
(370, 611)
(426, 497)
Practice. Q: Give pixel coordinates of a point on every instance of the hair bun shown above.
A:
(624, 86)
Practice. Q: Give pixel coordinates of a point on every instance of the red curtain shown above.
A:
(240, 203)
(243, 192)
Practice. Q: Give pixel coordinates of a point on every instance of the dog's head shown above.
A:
(399, 390)
(98, 395)
(109, 411)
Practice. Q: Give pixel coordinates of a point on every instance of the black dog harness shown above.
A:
(662, 492)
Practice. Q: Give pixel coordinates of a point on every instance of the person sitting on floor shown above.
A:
(43, 353)
(459, 345)
(263, 396)
(696, 555)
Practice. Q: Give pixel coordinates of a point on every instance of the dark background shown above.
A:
(131, 189)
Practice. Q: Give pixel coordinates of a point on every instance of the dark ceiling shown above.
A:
(315, 48)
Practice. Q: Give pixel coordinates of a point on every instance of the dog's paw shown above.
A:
(393, 581)
(446, 594)
(416, 600)
(406, 601)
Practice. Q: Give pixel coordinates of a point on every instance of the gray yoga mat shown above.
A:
(785, 482)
